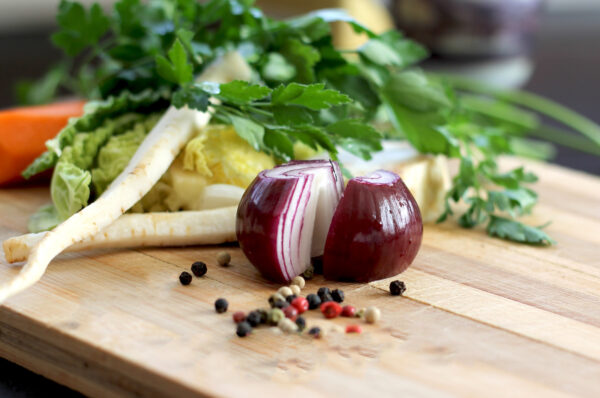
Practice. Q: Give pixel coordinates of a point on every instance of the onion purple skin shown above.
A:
(376, 230)
(256, 227)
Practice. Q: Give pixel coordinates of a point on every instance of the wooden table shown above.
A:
(481, 317)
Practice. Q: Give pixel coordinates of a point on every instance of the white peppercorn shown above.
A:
(295, 289)
(223, 259)
(285, 291)
(299, 281)
(372, 315)
(287, 325)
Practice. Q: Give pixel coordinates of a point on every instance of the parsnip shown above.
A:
(152, 159)
(184, 228)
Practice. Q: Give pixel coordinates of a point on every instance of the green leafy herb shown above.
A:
(144, 56)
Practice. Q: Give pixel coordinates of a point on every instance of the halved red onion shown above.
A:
(376, 230)
(284, 216)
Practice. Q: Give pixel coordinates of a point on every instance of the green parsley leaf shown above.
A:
(312, 96)
(249, 130)
(241, 92)
(518, 232)
(79, 29)
(356, 137)
(178, 70)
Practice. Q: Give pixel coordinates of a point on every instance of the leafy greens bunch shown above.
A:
(143, 56)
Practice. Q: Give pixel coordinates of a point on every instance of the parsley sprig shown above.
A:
(304, 89)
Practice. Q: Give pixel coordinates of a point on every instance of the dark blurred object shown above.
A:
(472, 29)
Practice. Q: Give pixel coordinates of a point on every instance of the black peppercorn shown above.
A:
(221, 305)
(315, 331)
(253, 318)
(326, 297)
(185, 278)
(264, 315)
(323, 290)
(313, 301)
(301, 322)
(290, 298)
(337, 295)
(243, 329)
(279, 304)
(199, 268)
(397, 288)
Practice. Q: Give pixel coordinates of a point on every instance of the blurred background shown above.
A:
(548, 47)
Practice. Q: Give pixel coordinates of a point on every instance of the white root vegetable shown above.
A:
(184, 228)
(220, 195)
(148, 164)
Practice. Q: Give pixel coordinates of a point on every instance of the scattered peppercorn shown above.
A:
(274, 297)
(360, 313)
(295, 289)
(397, 288)
(274, 316)
(243, 329)
(290, 298)
(253, 318)
(221, 305)
(239, 316)
(309, 273)
(290, 312)
(280, 304)
(313, 301)
(223, 259)
(331, 309)
(287, 325)
(326, 297)
(348, 311)
(285, 291)
(353, 329)
(323, 290)
(185, 278)
(315, 332)
(301, 304)
(199, 268)
(299, 281)
(301, 322)
(338, 295)
(264, 313)
(372, 315)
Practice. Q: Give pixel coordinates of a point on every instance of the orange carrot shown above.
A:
(23, 132)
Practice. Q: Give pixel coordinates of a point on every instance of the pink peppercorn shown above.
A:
(239, 316)
(348, 311)
(353, 329)
(301, 304)
(290, 312)
(331, 309)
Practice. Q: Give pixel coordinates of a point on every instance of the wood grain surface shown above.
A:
(481, 317)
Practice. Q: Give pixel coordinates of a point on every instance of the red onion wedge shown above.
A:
(284, 216)
(376, 230)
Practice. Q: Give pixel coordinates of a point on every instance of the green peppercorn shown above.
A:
(309, 273)
(274, 316)
(223, 259)
(185, 278)
(360, 313)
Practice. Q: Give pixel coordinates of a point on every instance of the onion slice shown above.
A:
(376, 230)
(284, 216)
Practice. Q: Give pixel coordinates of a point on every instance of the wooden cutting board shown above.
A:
(481, 317)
